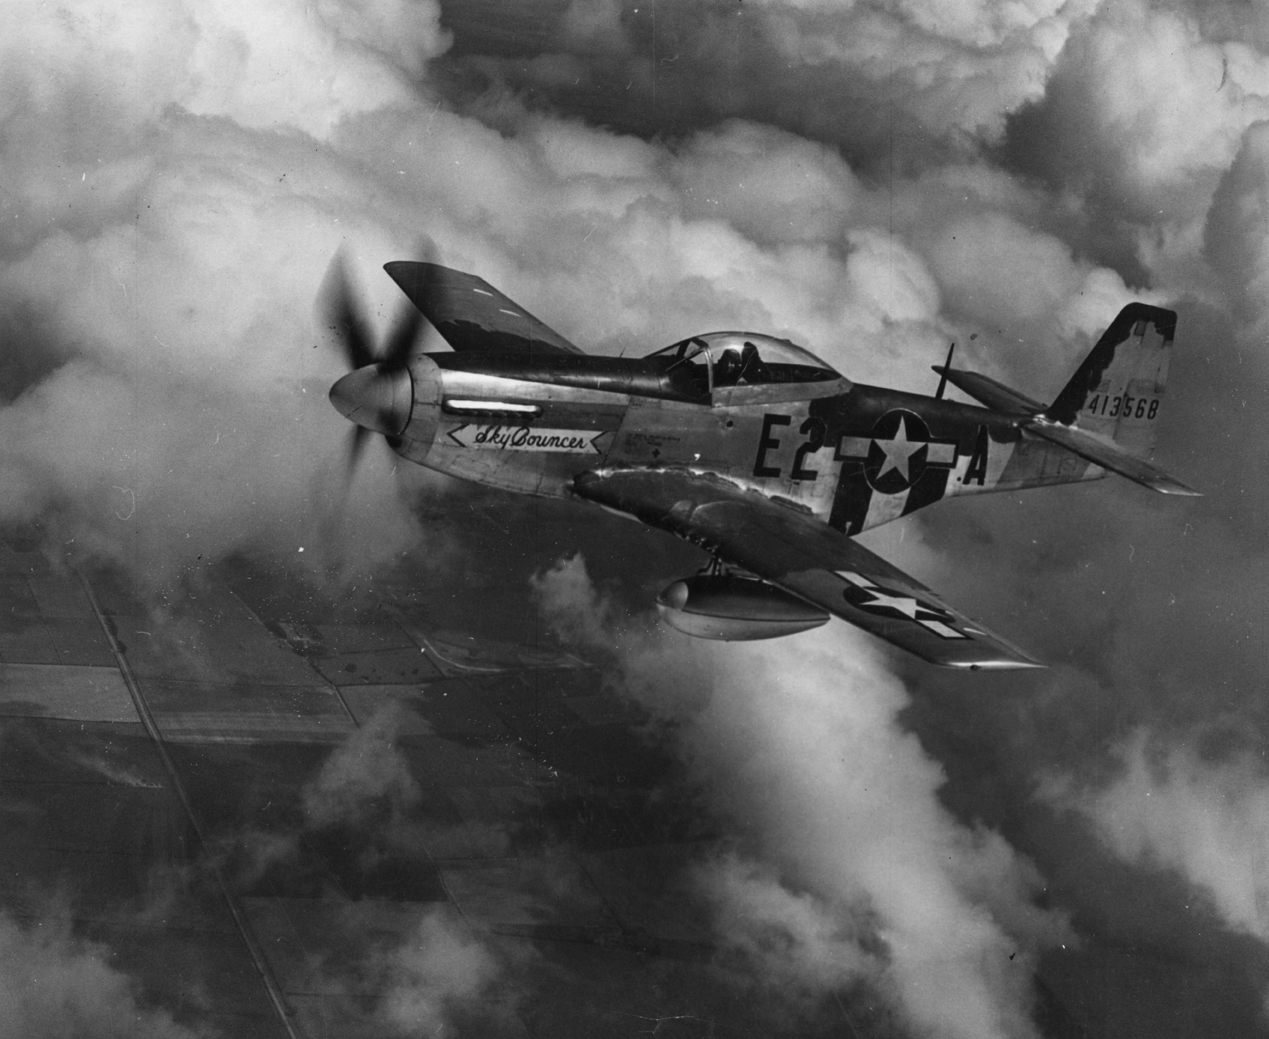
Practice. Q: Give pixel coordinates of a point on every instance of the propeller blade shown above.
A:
(401, 339)
(341, 310)
(356, 446)
(377, 394)
(358, 437)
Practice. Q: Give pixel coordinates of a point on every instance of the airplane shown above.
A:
(744, 444)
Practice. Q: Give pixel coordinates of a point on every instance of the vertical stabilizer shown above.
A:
(1117, 392)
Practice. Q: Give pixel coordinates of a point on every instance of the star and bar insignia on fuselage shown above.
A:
(897, 452)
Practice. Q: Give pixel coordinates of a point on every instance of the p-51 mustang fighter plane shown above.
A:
(746, 445)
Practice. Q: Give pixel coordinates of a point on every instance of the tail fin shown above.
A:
(1116, 393)
(1107, 413)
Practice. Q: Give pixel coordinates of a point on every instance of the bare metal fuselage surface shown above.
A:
(748, 446)
(852, 456)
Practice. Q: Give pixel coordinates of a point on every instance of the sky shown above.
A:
(871, 180)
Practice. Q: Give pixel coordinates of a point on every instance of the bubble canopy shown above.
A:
(748, 359)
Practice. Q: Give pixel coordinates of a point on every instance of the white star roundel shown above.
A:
(870, 596)
(898, 452)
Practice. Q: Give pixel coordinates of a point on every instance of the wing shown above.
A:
(471, 314)
(803, 556)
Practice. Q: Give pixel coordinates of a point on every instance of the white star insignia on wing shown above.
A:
(903, 603)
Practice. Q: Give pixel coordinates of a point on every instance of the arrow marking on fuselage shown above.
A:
(525, 438)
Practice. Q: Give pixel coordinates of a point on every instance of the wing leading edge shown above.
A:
(805, 557)
(471, 314)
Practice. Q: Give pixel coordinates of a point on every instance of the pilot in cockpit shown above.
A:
(752, 369)
(734, 367)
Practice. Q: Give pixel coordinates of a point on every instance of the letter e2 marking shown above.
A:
(766, 442)
(815, 427)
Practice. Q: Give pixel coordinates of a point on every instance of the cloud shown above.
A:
(436, 976)
(852, 868)
(955, 68)
(870, 180)
(1146, 109)
(440, 967)
(170, 231)
(1171, 104)
(1207, 819)
(363, 773)
(910, 79)
(281, 66)
(167, 231)
(794, 937)
(54, 984)
(771, 185)
(1234, 242)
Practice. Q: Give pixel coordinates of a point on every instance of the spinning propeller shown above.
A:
(378, 394)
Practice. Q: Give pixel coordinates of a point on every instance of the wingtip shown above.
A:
(1165, 483)
(1026, 664)
(414, 278)
(402, 268)
(397, 270)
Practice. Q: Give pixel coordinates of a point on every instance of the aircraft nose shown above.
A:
(376, 397)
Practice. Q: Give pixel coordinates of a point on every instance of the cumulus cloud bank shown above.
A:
(172, 202)
(439, 967)
(1207, 820)
(852, 869)
(55, 984)
(870, 179)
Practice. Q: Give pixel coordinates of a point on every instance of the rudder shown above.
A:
(1118, 390)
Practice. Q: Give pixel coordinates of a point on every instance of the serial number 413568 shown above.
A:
(1123, 406)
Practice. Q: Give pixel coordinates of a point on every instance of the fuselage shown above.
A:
(745, 445)
(854, 456)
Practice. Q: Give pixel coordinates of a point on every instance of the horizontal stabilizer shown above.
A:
(996, 395)
(1110, 456)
